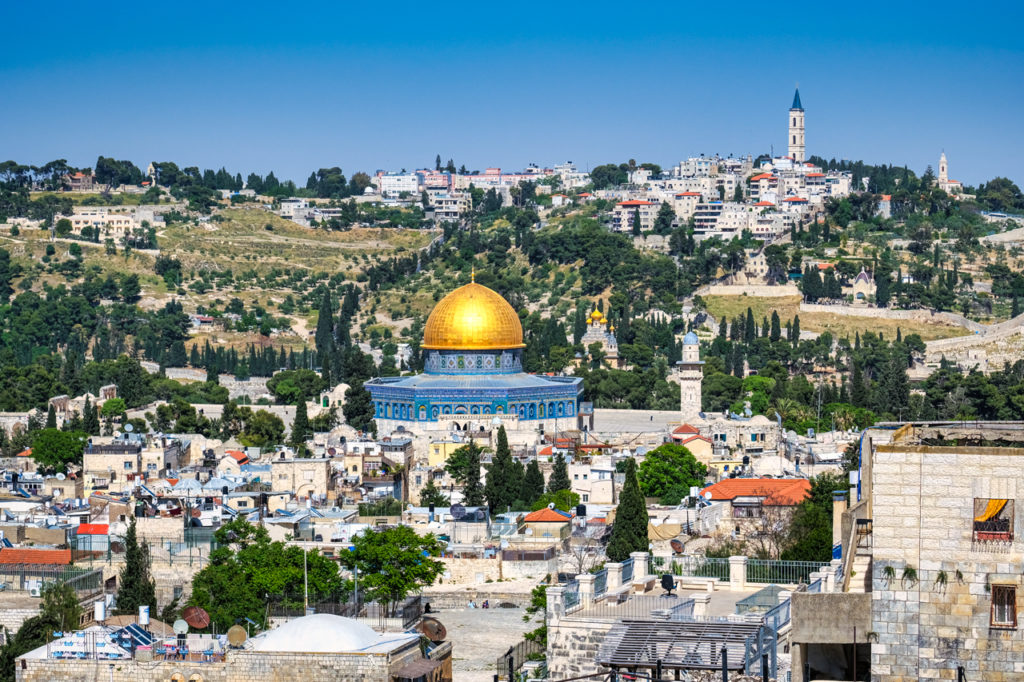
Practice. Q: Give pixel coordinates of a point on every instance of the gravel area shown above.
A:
(479, 636)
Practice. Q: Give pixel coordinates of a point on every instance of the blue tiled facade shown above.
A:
(474, 383)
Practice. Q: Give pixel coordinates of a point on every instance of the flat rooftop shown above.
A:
(656, 605)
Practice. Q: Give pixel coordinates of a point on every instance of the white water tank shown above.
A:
(144, 614)
(99, 611)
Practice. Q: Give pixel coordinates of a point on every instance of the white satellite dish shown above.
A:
(61, 477)
(129, 427)
(117, 434)
(180, 627)
(707, 494)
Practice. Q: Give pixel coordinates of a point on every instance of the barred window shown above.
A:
(1004, 606)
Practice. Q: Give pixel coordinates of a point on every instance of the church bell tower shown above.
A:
(796, 129)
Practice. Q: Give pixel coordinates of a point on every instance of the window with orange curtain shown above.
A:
(993, 520)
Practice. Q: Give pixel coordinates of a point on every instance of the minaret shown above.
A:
(943, 171)
(796, 129)
(691, 374)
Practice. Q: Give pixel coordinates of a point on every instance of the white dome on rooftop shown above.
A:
(318, 633)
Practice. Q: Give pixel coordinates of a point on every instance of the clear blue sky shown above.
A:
(295, 86)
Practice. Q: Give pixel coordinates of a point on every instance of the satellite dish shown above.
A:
(61, 477)
(551, 505)
(117, 434)
(180, 627)
(707, 494)
(196, 617)
(129, 427)
(677, 546)
(457, 511)
(237, 635)
(433, 629)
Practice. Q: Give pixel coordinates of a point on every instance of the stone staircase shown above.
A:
(860, 579)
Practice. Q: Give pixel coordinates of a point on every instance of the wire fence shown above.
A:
(187, 548)
(692, 566)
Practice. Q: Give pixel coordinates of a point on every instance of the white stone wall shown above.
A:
(923, 511)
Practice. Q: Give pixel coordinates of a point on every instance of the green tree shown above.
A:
(247, 571)
(566, 500)
(629, 531)
(358, 408)
(637, 226)
(135, 585)
(663, 221)
(394, 563)
(262, 430)
(292, 385)
(54, 450)
(300, 427)
(7, 272)
(130, 288)
(500, 489)
(559, 479)
(533, 483)
(668, 472)
(810, 529)
(113, 408)
(432, 495)
(90, 419)
(51, 417)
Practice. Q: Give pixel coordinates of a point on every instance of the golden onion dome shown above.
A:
(473, 317)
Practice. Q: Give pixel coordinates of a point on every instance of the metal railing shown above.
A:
(571, 595)
(29, 578)
(692, 566)
(779, 616)
(184, 548)
(627, 571)
(508, 664)
(601, 581)
(780, 572)
(815, 586)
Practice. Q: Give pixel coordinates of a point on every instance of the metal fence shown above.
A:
(571, 595)
(601, 581)
(692, 566)
(815, 586)
(187, 548)
(30, 578)
(513, 659)
(627, 571)
(780, 572)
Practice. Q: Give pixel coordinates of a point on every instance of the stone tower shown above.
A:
(691, 374)
(943, 171)
(796, 129)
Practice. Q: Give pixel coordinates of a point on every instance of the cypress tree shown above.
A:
(765, 329)
(300, 427)
(533, 484)
(796, 330)
(1015, 307)
(629, 532)
(637, 228)
(90, 419)
(51, 417)
(136, 587)
(749, 327)
(858, 389)
(358, 408)
(499, 489)
(776, 331)
(472, 490)
(559, 479)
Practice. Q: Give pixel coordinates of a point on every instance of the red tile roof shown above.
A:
(636, 202)
(546, 515)
(545, 451)
(27, 452)
(762, 176)
(238, 456)
(815, 175)
(17, 555)
(92, 529)
(693, 438)
(795, 199)
(764, 203)
(786, 492)
(688, 194)
(686, 428)
(886, 197)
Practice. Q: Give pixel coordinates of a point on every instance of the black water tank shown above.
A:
(581, 510)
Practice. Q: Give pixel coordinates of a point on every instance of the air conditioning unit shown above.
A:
(35, 588)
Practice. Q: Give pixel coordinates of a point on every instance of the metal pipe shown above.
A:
(725, 664)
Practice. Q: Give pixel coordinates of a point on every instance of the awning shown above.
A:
(417, 670)
(991, 511)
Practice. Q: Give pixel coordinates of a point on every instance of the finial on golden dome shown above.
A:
(472, 275)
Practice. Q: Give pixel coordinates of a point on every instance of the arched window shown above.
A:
(423, 412)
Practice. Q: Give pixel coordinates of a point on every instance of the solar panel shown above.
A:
(136, 633)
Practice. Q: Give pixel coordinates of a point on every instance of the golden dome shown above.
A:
(473, 317)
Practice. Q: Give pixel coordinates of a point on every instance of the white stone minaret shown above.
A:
(943, 171)
(797, 150)
(691, 374)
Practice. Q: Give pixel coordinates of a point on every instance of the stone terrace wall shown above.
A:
(573, 644)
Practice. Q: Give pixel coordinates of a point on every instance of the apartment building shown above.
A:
(625, 211)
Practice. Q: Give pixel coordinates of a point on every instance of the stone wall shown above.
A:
(476, 571)
(11, 619)
(923, 512)
(573, 644)
(252, 388)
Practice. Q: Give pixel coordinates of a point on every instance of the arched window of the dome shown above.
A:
(461, 409)
(533, 411)
(423, 413)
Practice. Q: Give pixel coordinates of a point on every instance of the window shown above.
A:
(128, 466)
(993, 520)
(586, 498)
(1004, 606)
(575, 477)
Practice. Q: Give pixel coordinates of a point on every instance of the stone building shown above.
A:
(601, 332)
(796, 142)
(306, 477)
